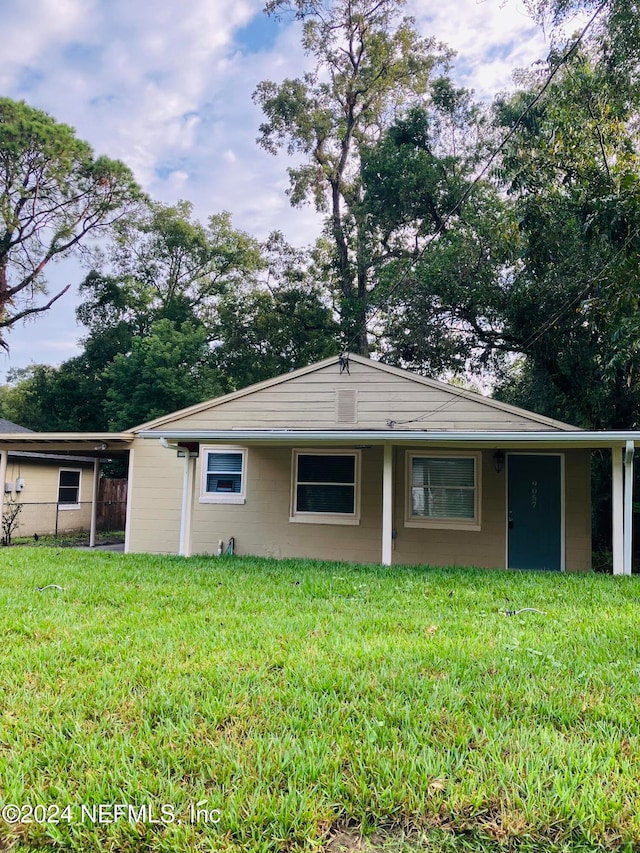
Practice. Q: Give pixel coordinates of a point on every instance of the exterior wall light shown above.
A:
(498, 460)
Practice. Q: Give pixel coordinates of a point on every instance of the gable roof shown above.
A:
(9, 426)
(385, 397)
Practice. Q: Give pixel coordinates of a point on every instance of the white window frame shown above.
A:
(221, 497)
(324, 517)
(474, 523)
(76, 504)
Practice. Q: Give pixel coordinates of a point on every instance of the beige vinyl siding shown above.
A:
(577, 475)
(156, 499)
(484, 548)
(261, 526)
(310, 402)
(39, 497)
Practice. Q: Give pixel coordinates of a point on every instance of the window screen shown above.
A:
(224, 473)
(443, 487)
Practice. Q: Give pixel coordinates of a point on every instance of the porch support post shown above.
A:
(4, 458)
(187, 500)
(628, 507)
(127, 518)
(387, 505)
(617, 537)
(94, 503)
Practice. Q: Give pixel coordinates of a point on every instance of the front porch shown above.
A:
(389, 529)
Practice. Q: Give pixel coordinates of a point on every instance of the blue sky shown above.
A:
(166, 87)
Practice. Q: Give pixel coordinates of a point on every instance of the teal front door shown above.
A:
(534, 511)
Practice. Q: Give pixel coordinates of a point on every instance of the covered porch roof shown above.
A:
(95, 445)
(454, 438)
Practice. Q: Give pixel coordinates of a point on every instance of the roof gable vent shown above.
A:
(346, 406)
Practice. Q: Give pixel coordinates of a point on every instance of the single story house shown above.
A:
(356, 460)
(53, 490)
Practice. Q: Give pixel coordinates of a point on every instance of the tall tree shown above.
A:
(368, 62)
(54, 195)
(163, 263)
(540, 263)
(166, 370)
(280, 323)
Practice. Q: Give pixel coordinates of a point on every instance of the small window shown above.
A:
(325, 487)
(443, 491)
(223, 475)
(69, 488)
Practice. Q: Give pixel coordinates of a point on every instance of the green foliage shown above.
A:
(266, 333)
(166, 370)
(571, 172)
(279, 324)
(540, 261)
(368, 63)
(615, 34)
(54, 195)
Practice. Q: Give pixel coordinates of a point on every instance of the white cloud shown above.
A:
(165, 88)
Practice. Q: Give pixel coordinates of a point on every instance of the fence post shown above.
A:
(94, 502)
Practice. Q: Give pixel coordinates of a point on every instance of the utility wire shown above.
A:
(535, 336)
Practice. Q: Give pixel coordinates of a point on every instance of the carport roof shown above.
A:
(97, 444)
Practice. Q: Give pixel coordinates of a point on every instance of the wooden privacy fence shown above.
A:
(112, 504)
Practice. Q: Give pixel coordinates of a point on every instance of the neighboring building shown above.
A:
(54, 490)
(351, 459)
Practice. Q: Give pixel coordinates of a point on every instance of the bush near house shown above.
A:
(296, 699)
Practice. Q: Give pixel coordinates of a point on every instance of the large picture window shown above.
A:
(325, 487)
(69, 488)
(444, 491)
(223, 475)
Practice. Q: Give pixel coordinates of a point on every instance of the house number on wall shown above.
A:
(534, 493)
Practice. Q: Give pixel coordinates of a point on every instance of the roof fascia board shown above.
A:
(28, 437)
(495, 438)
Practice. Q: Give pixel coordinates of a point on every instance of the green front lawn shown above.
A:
(294, 699)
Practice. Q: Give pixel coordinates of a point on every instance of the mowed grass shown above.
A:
(291, 699)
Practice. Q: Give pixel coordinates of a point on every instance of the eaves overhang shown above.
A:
(94, 444)
(497, 438)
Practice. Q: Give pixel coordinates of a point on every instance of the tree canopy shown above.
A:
(368, 63)
(54, 195)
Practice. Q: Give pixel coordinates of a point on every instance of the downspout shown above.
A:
(628, 507)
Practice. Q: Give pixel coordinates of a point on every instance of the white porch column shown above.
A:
(628, 507)
(617, 537)
(127, 518)
(387, 505)
(187, 501)
(94, 503)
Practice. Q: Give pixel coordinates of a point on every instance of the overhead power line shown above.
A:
(410, 264)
